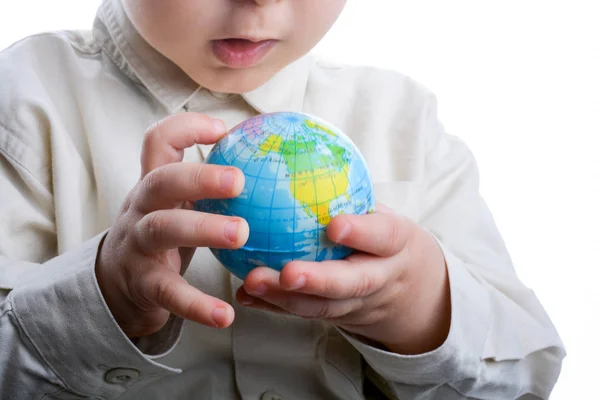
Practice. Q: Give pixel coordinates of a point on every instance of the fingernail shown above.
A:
(227, 179)
(344, 233)
(260, 290)
(220, 316)
(231, 231)
(219, 126)
(300, 282)
(247, 301)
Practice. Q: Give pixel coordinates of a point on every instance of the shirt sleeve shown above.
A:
(501, 342)
(57, 334)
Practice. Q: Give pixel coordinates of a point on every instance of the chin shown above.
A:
(237, 81)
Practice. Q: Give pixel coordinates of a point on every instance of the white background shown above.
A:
(519, 82)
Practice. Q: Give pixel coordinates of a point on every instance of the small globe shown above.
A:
(300, 173)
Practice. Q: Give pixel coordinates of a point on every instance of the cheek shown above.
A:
(168, 24)
(314, 18)
(148, 15)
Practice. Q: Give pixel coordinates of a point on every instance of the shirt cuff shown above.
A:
(63, 313)
(459, 356)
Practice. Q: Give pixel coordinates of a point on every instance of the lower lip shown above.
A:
(239, 53)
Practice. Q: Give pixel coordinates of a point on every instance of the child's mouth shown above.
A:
(241, 53)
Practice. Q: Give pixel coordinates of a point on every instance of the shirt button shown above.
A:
(270, 395)
(121, 375)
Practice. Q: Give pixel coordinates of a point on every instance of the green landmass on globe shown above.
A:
(300, 173)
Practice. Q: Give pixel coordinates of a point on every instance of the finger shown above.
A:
(170, 291)
(263, 283)
(362, 275)
(165, 141)
(381, 233)
(249, 301)
(169, 229)
(168, 185)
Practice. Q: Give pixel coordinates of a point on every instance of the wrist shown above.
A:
(429, 320)
(108, 290)
(421, 341)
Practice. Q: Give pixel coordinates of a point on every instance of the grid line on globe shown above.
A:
(300, 173)
(271, 211)
(256, 149)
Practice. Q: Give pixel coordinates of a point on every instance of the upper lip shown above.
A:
(254, 39)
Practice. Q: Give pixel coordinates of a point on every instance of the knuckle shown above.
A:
(139, 290)
(325, 311)
(192, 306)
(152, 183)
(152, 229)
(154, 132)
(391, 295)
(199, 227)
(329, 287)
(127, 202)
(359, 318)
(152, 135)
(375, 316)
(197, 177)
(364, 285)
(203, 119)
(389, 246)
(164, 292)
(294, 307)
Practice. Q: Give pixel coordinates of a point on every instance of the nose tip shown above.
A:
(259, 3)
(265, 2)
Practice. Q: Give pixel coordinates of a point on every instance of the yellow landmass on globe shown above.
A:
(314, 186)
(316, 125)
(316, 193)
(272, 143)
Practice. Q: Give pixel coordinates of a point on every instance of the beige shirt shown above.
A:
(74, 107)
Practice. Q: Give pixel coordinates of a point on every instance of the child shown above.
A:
(103, 295)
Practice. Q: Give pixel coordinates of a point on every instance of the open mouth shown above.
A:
(241, 53)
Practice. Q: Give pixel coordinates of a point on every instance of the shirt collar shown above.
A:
(169, 84)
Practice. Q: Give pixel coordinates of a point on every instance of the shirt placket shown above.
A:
(274, 355)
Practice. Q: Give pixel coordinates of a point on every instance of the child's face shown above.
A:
(196, 35)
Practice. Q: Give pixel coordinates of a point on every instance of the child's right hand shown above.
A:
(143, 256)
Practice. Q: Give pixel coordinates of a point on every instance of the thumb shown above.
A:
(383, 233)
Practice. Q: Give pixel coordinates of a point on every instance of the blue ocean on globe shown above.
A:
(300, 172)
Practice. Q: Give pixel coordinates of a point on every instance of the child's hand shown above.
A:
(152, 241)
(395, 293)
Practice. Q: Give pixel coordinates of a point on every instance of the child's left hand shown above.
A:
(394, 292)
